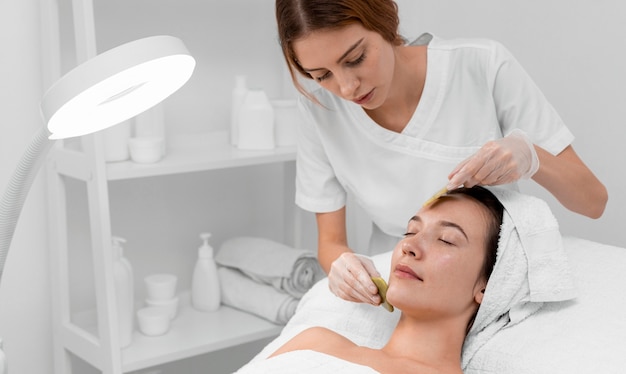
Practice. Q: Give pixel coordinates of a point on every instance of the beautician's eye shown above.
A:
(356, 62)
(323, 77)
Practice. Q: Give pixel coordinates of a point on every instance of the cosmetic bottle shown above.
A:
(151, 124)
(238, 95)
(116, 142)
(124, 292)
(256, 122)
(205, 287)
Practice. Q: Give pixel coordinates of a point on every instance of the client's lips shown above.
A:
(405, 271)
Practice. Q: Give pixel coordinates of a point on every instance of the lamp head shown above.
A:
(116, 85)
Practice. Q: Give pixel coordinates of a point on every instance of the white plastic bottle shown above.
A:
(205, 287)
(238, 95)
(124, 292)
(116, 142)
(256, 122)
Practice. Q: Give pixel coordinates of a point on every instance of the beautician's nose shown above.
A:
(348, 84)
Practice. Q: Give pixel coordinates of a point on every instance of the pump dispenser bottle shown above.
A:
(205, 287)
(124, 294)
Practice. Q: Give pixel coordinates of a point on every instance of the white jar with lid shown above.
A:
(256, 122)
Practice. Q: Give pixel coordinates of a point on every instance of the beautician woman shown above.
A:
(391, 124)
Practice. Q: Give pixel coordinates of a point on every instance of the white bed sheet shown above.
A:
(587, 335)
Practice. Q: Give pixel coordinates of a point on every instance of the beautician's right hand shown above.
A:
(350, 278)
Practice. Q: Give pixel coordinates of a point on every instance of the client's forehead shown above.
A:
(458, 207)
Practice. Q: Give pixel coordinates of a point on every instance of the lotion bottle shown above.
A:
(124, 292)
(205, 287)
(116, 142)
(238, 95)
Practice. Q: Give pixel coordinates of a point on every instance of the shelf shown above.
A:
(193, 333)
(209, 151)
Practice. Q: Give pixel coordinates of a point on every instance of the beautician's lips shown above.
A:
(365, 98)
(406, 272)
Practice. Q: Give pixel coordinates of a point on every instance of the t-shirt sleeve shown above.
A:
(521, 104)
(317, 187)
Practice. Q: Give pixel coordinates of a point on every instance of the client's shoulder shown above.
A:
(318, 339)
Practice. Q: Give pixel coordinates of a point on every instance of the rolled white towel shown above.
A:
(241, 292)
(531, 269)
(287, 269)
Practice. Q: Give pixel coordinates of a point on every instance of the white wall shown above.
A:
(576, 52)
(24, 295)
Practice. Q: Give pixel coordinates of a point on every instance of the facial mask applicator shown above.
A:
(382, 291)
(437, 195)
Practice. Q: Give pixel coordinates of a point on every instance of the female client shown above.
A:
(439, 272)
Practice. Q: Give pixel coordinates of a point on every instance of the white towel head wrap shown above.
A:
(531, 268)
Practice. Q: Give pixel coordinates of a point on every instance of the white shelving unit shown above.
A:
(192, 333)
(97, 342)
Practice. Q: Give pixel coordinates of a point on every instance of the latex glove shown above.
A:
(501, 161)
(350, 278)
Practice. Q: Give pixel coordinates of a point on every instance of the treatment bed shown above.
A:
(583, 335)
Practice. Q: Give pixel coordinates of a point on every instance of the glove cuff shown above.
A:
(534, 159)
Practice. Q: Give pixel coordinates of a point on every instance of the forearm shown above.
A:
(332, 238)
(327, 252)
(571, 182)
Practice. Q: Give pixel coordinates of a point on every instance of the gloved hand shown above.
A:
(350, 278)
(498, 162)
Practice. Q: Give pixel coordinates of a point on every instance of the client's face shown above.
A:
(436, 268)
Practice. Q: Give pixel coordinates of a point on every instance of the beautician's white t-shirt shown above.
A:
(475, 91)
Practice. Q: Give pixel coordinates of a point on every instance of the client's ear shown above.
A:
(479, 291)
(478, 297)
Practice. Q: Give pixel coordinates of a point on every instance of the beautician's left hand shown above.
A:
(499, 161)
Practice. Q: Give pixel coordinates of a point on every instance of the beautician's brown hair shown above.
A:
(298, 18)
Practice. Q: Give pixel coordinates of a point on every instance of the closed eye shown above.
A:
(323, 77)
(447, 242)
(356, 62)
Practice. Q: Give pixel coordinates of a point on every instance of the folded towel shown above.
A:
(287, 269)
(531, 268)
(241, 292)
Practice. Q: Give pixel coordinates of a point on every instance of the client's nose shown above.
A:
(411, 248)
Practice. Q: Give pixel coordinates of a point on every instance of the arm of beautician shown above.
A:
(500, 161)
(349, 275)
(350, 278)
(514, 157)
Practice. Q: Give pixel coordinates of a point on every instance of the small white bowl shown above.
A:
(153, 321)
(146, 150)
(171, 305)
(161, 287)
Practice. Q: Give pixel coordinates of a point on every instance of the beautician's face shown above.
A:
(352, 62)
(436, 268)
